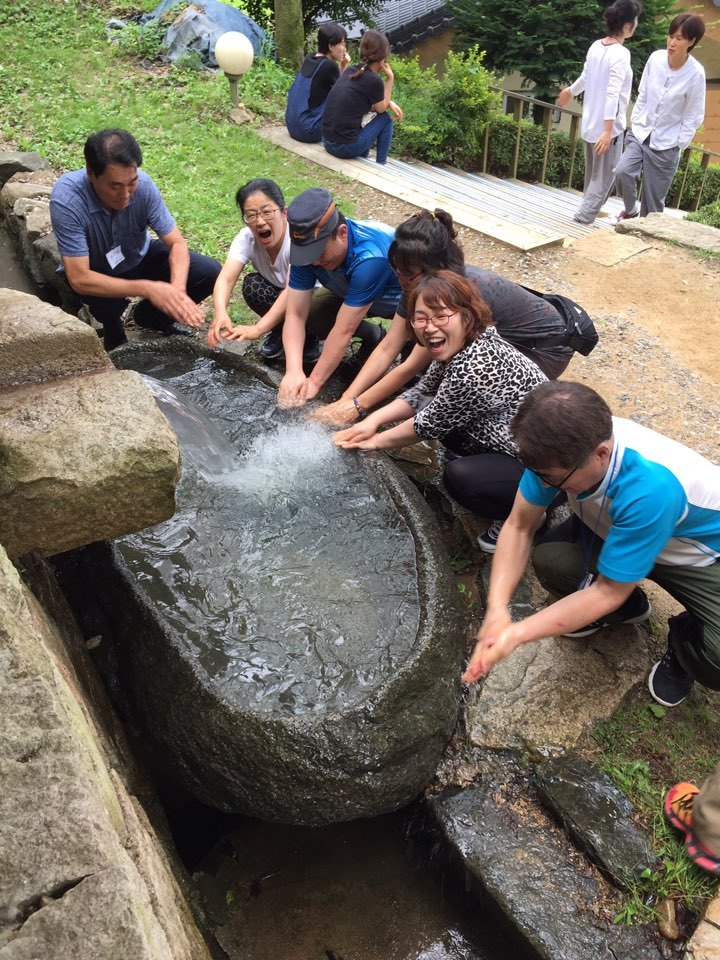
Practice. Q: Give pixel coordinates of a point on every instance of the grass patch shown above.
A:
(66, 80)
(645, 749)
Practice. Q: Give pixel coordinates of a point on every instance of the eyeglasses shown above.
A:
(419, 321)
(555, 484)
(407, 278)
(267, 214)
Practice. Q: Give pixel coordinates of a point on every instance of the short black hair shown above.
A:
(559, 424)
(260, 185)
(691, 26)
(111, 146)
(329, 34)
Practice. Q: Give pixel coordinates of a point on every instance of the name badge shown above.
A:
(114, 257)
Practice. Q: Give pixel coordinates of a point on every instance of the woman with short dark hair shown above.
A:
(669, 109)
(314, 81)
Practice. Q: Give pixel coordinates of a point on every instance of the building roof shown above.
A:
(407, 22)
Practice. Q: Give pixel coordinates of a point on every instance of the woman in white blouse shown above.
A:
(606, 81)
(670, 107)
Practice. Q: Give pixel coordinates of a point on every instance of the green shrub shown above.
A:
(693, 181)
(502, 140)
(445, 117)
(708, 214)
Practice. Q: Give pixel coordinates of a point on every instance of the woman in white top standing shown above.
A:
(669, 109)
(606, 81)
(265, 243)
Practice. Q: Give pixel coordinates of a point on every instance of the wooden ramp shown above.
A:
(524, 216)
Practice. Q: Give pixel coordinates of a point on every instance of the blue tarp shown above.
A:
(198, 26)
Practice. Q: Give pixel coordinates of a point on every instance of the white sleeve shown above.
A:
(618, 72)
(694, 112)
(243, 247)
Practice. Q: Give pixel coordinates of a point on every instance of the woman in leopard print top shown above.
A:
(466, 399)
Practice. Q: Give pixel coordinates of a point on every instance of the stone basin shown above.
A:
(292, 638)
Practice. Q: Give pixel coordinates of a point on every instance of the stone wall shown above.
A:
(82, 872)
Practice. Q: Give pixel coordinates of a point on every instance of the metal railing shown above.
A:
(521, 104)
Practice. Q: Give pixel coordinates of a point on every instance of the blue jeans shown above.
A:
(379, 130)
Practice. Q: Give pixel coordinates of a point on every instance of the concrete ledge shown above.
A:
(40, 342)
(84, 459)
(660, 226)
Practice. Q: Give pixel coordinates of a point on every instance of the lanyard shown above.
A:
(586, 577)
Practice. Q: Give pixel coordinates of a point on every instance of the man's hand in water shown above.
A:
(293, 391)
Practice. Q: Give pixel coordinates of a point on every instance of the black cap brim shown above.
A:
(302, 255)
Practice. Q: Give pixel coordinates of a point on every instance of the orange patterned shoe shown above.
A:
(679, 806)
(701, 856)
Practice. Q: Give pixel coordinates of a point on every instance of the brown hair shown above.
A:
(448, 289)
(374, 48)
(559, 424)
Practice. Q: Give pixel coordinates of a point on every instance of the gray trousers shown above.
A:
(599, 179)
(706, 812)
(657, 168)
(559, 561)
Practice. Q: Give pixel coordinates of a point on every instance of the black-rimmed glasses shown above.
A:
(267, 214)
(555, 484)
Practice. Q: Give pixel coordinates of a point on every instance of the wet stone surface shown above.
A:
(597, 815)
(557, 903)
(292, 636)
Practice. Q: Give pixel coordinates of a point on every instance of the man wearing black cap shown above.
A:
(349, 259)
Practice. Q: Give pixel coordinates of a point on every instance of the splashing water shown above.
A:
(287, 571)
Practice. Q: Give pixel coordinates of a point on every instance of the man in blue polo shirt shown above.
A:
(349, 259)
(644, 506)
(100, 216)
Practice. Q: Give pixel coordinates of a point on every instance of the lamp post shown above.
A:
(234, 54)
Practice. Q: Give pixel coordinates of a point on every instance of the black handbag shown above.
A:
(580, 332)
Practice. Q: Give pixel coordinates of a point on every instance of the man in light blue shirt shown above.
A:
(644, 506)
(348, 258)
(100, 216)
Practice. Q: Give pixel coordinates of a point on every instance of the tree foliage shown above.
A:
(546, 40)
(313, 11)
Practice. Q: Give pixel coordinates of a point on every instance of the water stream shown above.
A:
(286, 569)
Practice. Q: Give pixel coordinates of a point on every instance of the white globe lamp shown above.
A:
(234, 54)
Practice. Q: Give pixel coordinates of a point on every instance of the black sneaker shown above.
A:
(272, 347)
(642, 613)
(488, 541)
(312, 349)
(669, 683)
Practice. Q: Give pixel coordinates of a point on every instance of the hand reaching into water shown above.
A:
(360, 436)
(293, 391)
(340, 413)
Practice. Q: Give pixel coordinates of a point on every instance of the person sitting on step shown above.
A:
(317, 76)
(643, 506)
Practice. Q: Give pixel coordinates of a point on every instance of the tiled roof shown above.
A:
(407, 22)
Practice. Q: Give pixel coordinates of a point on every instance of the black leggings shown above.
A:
(259, 294)
(485, 483)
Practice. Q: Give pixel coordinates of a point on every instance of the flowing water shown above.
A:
(286, 570)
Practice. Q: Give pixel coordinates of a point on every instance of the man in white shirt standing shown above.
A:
(669, 109)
